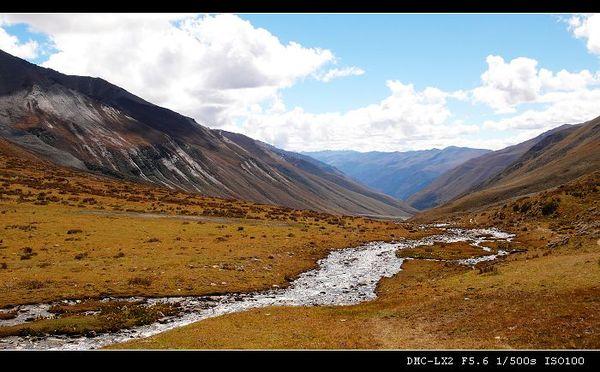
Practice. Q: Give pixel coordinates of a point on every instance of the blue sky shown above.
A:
(445, 52)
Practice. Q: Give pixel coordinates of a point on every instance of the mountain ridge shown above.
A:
(91, 124)
(462, 178)
(552, 159)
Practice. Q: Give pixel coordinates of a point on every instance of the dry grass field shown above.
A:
(71, 235)
(546, 297)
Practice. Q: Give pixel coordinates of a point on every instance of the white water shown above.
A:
(345, 277)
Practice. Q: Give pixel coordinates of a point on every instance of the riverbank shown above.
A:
(538, 299)
(348, 276)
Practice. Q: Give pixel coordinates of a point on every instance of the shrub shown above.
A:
(525, 207)
(140, 281)
(74, 231)
(32, 284)
(80, 256)
(489, 269)
(27, 253)
(549, 207)
(89, 200)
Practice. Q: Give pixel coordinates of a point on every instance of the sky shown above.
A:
(311, 82)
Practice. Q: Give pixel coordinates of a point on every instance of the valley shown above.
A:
(544, 295)
(126, 225)
(96, 260)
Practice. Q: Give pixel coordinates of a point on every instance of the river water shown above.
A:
(345, 277)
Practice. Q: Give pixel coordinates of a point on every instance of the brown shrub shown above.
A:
(81, 256)
(27, 253)
(32, 284)
(137, 281)
(549, 207)
(488, 269)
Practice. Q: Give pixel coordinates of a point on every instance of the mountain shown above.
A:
(90, 124)
(553, 159)
(471, 173)
(398, 174)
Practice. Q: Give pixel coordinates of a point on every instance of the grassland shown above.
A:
(546, 297)
(68, 235)
(532, 302)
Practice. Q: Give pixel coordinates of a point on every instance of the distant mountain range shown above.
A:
(398, 174)
(90, 124)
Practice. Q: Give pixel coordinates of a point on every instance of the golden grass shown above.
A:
(110, 317)
(125, 255)
(444, 251)
(546, 297)
(533, 301)
(66, 234)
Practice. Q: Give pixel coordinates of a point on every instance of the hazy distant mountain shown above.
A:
(90, 124)
(473, 173)
(398, 174)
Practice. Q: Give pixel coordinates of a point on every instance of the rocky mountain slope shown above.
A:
(398, 174)
(90, 124)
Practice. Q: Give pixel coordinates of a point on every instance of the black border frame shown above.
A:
(307, 6)
(280, 360)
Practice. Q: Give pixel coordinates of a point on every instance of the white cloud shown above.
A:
(566, 81)
(12, 45)
(211, 67)
(562, 97)
(227, 73)
(587, 27)
(406, 119)
(560, 108)
(335, 73)
(506, 84)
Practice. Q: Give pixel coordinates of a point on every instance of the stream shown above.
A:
(345, 277)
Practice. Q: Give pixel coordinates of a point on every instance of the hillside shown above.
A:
(72, 234)
(472, 173)
(398, 174)
(90, 124)
(556, 158)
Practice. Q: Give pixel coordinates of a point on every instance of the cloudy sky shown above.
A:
(315, 82)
